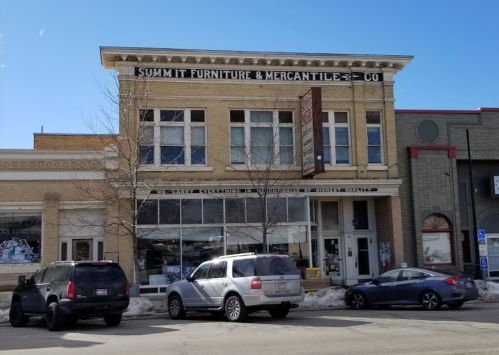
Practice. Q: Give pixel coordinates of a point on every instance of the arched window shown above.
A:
(437, 240)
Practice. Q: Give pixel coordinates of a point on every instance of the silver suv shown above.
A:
(236, 285)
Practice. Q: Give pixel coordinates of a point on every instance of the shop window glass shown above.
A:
(20, 238)
(276, 210)
(360, 215)
(213, 211)
(235, 210)
(330, 216)
(169, 212)
(255, 210)
(437, 240)
(192, 211)
(297, 209)
(244, 240)
(147, 211)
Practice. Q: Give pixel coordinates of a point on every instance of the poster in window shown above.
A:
(437, 248)
(384, 253)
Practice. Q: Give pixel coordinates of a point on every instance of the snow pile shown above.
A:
(489, 291)
(326, 298)
(139, 306)
(4, 315)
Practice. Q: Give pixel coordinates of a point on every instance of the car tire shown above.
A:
(235, 309)
(113, 320)
(176, 308)
(430, 300)
(71, 320)
(280, 312)
(54, 318)
(358, 301)
(455, 305)
(16, 315)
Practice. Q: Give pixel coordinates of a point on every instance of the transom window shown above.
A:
(374, 139)
(172, 136)
(261, 137)
(336, 136)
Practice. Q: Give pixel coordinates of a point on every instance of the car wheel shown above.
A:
(54, 318)
(430, 300)
(280, 312)
(455, 305)
(176, 308)
(235, 309)
(358, 301)
(71, 320)
(113, 320)
(16, 315)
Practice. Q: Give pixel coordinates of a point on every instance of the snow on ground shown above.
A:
(327, 298)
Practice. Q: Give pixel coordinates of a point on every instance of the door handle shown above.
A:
(355, 264)
(224, 284)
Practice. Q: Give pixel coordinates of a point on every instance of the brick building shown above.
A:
(47, 211)
(436, 194)
(224, 168)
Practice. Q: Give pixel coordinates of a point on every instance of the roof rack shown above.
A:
(235, 255)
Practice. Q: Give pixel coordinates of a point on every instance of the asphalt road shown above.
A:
(474, 329)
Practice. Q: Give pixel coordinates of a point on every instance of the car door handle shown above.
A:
(224, 284)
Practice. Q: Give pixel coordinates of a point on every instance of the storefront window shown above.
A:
(244, 240)
(20, 238)
(437, 242)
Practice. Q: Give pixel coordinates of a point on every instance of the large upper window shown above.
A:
(172, 136)
(261, 137)
(336, 135)
(374, 139)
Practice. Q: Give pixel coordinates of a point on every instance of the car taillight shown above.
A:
(256, 283)
(70, 291)
(453, 281)
(127, 291)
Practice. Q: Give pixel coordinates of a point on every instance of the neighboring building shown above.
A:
(436, 196)
(221, 131)
(45, 204)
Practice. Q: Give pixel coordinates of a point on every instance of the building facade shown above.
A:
(289, 153)
(50, 207)
(436, 196)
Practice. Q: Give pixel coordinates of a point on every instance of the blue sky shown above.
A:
(50, 62)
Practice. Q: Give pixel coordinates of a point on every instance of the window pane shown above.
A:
(235, 210)
(285, 117)
(100, 251)
(198, 155)
(172, 155)
(197, 116)
(237, 136)
(360, 216)
(286, 136)
(340, 117)
(169, 211)
(325, 117)
(373, 136)
(146, 115)
(197, 136)
(146, 135)
(192, 211)
(325, 135)
(374, 155)
(147, 155)
(172, 135)
(237, 155)
(237, 116)
(213, 211)
(172, 116)
(254, 210)
(261, 116)
(286, 155)
(218, 270)
(297, 209)
(330, 215)
(64, 251)
(276, 210)
(341, 136)
(437, 248)
(342, 155)
(262, 136)
(262, 146)
(373, 117)
(262, 155)
(147, 211)
(327, 154)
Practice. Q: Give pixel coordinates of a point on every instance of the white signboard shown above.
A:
(483, 249)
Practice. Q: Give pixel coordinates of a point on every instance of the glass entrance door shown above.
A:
(333, 259)
(363, 257)
(82, 249)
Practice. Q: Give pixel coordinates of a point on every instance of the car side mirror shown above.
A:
(189, 278)
(21, 279)
(375, 281)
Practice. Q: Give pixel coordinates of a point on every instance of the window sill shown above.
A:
(243, 167)
(339, 167)
(175, 168)
(377, 167)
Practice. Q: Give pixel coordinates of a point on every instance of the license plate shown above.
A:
(282, 286)
(469, 285)
(101, 292)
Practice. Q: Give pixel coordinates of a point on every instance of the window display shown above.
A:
(20, 238)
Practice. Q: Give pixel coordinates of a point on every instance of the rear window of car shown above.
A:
(98, 272)
(276, 265)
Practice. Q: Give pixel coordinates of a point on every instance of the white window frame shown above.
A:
(331, 125)
(187, 125)
(275, 125)
(380, 126)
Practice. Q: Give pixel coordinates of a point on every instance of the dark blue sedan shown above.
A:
(413, 286)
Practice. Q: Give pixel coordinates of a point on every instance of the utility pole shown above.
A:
(478, 273)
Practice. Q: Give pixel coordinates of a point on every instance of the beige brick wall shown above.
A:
(72, 141)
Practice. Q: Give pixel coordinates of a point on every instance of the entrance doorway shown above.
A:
(363, 257)
(333, 259)
(83, 249)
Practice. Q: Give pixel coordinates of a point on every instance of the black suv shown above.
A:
(65, 291)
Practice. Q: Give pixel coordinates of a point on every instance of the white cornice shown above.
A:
(36, 154)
